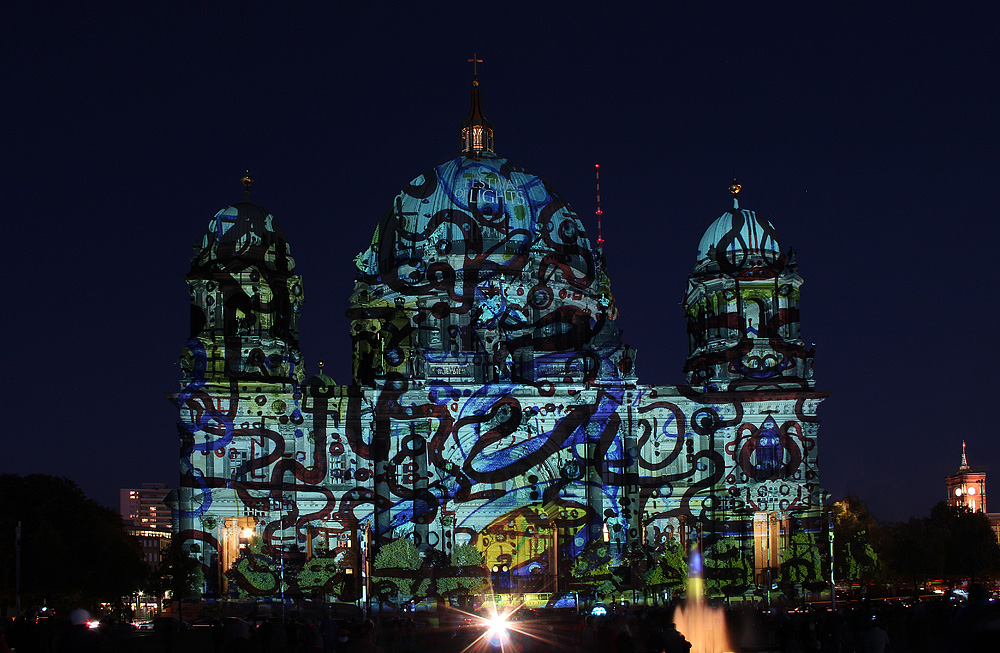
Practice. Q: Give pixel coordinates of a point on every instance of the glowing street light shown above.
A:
(245, 535)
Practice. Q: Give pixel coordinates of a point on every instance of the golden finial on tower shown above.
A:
(734, 188)
(247, 183)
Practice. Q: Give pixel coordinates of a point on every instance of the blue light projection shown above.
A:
(494, 404)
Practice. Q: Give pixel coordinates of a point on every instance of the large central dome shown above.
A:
(479, 260)
(479, 272)
(484, 216)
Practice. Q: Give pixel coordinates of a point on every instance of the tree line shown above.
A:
(952, 545)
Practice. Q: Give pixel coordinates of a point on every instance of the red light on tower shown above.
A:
(600, 236)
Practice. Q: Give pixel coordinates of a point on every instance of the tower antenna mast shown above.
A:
(600, 236)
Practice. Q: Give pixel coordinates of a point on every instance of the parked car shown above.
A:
(168, 625)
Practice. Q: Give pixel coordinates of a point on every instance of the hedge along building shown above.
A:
(493, 402)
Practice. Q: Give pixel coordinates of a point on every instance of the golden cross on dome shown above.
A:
(475, 60)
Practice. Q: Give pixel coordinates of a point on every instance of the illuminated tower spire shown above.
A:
(600, 236)
(477, 131)
(965, 461)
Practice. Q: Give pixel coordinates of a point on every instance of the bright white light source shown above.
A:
(496, 632)
(497, 625)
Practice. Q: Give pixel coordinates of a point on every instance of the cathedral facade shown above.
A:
(493, 403)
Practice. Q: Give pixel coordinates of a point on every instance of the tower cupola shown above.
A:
(245, 299)
(742, 306)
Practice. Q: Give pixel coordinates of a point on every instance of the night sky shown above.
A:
(867, 133)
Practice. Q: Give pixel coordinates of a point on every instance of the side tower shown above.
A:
(752, 376)
(240, 400)
(276, 469)
(245, 302)
(742, 307)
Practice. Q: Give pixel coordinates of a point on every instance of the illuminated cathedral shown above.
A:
(493, 403)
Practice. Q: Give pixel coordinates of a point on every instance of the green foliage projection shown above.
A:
(801, 561)
(727, 570)
(396, 566)
(256, 574)
(669, 571)
(327, 575)
(467, 575)
(595, 569)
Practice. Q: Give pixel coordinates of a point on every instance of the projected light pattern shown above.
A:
(742, 309)
(494, 404)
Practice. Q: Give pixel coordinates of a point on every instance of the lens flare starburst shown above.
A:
(501, 626)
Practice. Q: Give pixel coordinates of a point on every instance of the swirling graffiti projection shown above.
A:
(494, 415)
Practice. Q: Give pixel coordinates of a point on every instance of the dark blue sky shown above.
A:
(866, 133)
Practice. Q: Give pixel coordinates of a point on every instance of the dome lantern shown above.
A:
(477, 131)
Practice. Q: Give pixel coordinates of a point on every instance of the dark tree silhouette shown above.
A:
(952, 544)
(74, 552)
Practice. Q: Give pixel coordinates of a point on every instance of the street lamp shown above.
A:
(245, 537)
(350, 586)
(833, 586)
